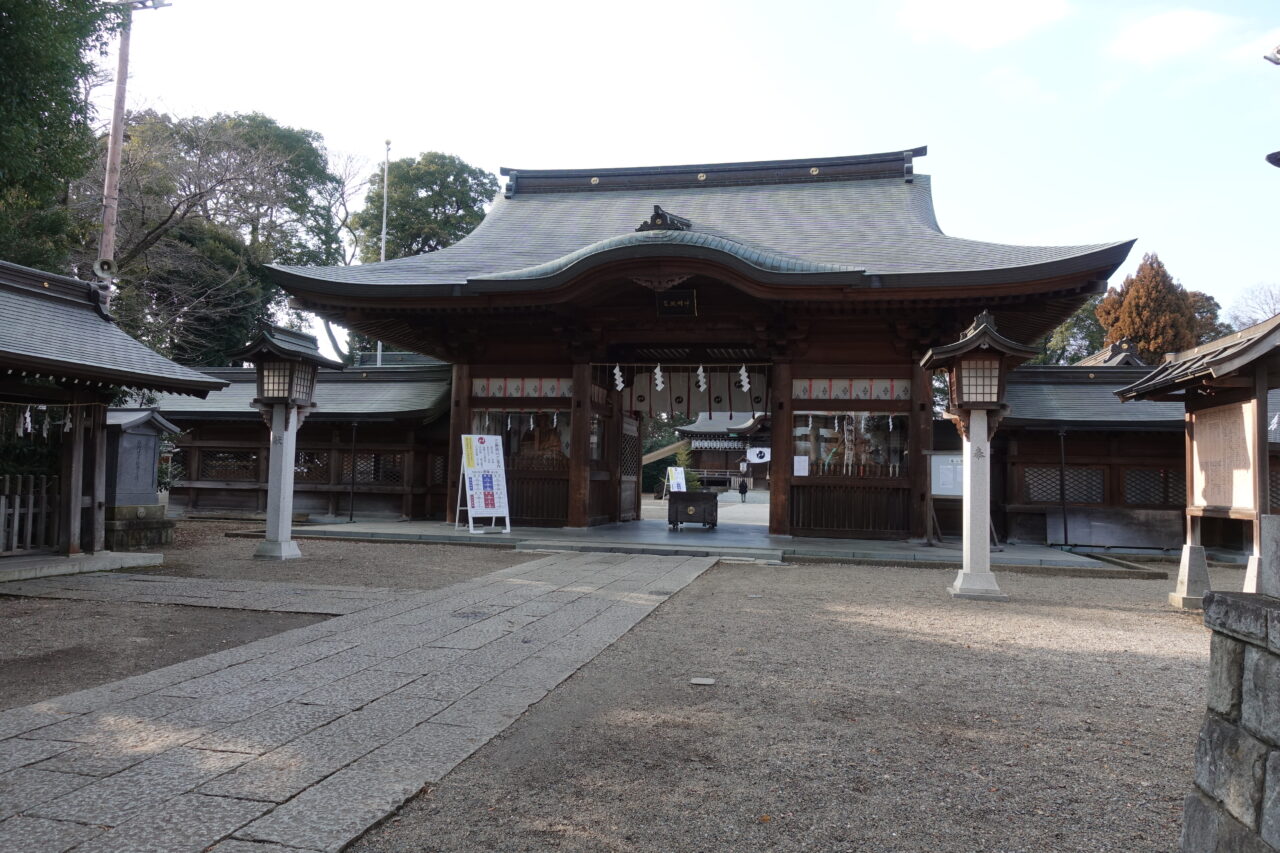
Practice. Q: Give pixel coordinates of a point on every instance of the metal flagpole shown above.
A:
(382, 254)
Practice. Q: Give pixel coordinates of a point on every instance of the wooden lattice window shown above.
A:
(374, 468)
(234, 465)
(1083, 485)
(311, 466)
(438, 470)
(629, 463)
(1155, 486)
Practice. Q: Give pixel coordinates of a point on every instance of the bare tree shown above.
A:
(1258, 303)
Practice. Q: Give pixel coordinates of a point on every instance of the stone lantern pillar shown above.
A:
(286, 362)
(976, 367)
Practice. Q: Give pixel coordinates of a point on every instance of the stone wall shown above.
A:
(1234, 806)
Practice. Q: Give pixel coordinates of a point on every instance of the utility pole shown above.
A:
(105, 268)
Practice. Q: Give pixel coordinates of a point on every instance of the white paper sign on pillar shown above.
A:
(482, 492)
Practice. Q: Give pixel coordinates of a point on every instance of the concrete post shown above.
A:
(1267, 580)
(976, 580)
(1193, 571)
(278, 544)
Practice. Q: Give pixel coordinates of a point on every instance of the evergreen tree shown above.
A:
(435, 201)
(1080, 335)
(45, 137)
(1157, 313)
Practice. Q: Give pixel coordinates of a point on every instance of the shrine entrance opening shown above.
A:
(710, 411)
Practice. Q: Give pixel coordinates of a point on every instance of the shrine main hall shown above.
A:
(801, 294)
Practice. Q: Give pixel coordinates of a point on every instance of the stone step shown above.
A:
(765, 555)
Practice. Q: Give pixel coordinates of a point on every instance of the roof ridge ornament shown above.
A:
(664, 221)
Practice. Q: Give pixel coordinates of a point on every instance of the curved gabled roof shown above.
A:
(56, 326)
(859, 221)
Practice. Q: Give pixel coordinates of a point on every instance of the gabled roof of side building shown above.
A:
(1083, 397)
(1201, 365)
(58, 327)
(864, 221)
(359, 393)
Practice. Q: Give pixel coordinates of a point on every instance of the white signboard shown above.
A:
(483, 490)
(1224, 442)
(759, 454)
(947, 475)
(675, 480)
(800, 466)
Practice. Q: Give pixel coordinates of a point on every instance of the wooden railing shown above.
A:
(28, 514)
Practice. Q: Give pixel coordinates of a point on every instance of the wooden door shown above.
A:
(629, 469)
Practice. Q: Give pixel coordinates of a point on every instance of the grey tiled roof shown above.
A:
(1045, 396)
(1119, 354)
(1187, 369)
(366, 393)
(720, 423)
(52, 326)
(792, 229)
(129, 418)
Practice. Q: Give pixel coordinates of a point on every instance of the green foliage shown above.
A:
(684, 458)
(435, 201)
(34, 233)
(207, 285)
(1157, 313)
(45, 137)
(1206, 311)
(205, 204)
(1079, 336)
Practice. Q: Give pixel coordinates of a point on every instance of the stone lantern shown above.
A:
(286, 362)
(976, 367)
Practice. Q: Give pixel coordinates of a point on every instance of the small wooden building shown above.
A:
(373, 447)
(62, 361)
(719, 443)
(589, 299)
(1079, 468)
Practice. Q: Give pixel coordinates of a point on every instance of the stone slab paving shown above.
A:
(271, 596)
(303, 740)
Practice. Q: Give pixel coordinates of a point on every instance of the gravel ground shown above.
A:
(53, 647)
(855, 709)
(201, 549)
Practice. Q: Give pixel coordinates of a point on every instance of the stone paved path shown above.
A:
(303, 740)
(198, 592)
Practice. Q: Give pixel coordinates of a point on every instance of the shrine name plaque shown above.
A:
(1223, 450)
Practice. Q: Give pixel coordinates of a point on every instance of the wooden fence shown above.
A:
(28, 514)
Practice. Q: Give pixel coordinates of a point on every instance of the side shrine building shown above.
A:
(804, 290)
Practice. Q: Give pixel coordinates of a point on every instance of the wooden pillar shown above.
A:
(1261, 477)
(410, 476)
(98, 511)
(781, 450)
(73, 479)
(1262, 466)
(580, 447)
(1193, 522)
(459, 425)
(613, 453)
(921, 440)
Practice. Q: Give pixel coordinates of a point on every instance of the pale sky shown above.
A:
(1048, 121)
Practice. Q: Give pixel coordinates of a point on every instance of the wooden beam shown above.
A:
(98, 512)
(781, 451)
(920, 440)
(459, 425)
(580, 447)
(73, 482)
